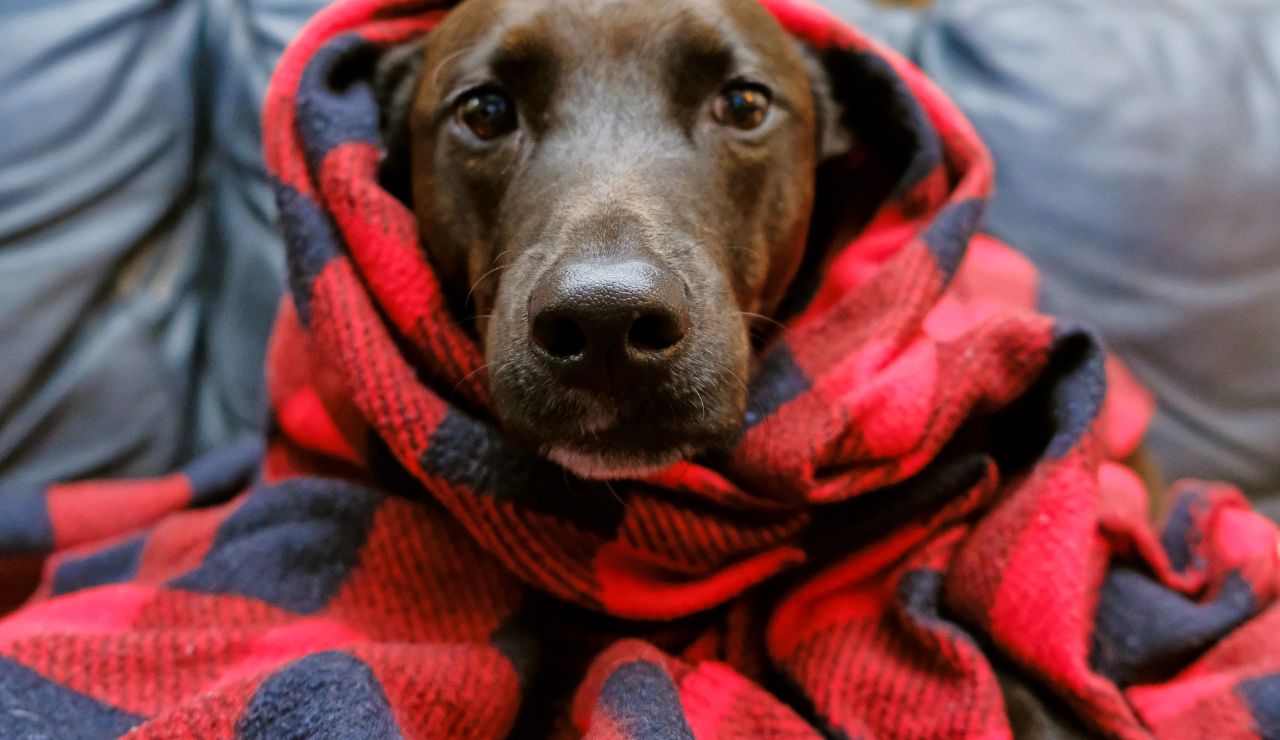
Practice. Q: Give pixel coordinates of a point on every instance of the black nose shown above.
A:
(604, 323)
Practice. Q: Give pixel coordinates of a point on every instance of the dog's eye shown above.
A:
(488, 113)
(743, 106)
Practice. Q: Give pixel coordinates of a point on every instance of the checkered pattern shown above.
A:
(924, 480)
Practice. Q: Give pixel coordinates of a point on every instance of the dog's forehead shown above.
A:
(593, 33)
(622, 28)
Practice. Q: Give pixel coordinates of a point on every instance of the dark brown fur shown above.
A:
(616, 157)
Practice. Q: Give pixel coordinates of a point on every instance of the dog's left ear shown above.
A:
(857, 113)
(395, 83)
(835, 137)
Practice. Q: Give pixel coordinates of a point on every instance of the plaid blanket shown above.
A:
(925, 486)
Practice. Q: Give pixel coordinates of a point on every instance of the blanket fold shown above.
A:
(925, 487)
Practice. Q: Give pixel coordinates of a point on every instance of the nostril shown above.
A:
(560, 336)
(654, 332)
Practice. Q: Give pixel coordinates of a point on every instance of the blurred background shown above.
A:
(1137, 145)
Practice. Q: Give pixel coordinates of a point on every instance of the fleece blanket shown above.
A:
(924, 491)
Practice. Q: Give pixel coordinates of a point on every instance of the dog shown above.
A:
(619, 194)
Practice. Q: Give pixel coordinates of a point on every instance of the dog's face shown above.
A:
(615, 189)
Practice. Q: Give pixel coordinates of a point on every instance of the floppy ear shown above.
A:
(395, 82)
(868, 120)
(835, 137)
(865, 143)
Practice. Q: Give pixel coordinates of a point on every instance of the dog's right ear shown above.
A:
(395, 82)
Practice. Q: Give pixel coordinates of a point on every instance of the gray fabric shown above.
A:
(244, 279)
(98, 235)
(1138, 164)
(138, 264)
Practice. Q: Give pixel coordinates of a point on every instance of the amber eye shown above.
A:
(742, 106)
(488, 113)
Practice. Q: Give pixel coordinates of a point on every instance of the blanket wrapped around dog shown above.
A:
(924, 491)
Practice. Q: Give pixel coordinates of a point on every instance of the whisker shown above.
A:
(498, 257)
(762, 317)
(609, 486)
(701, 402)
(435, 78)
(502, 367)
(467, 377)
(479, 280)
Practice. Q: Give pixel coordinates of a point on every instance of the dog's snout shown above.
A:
(602, 323)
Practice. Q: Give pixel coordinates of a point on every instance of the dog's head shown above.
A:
(616, 191)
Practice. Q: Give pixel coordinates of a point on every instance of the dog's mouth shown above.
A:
(598, 436)
(600, 463)
(626, 442)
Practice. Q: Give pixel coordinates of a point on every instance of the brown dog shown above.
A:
(616, 190)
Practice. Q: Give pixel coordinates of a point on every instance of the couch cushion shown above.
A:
(1138, 164)
(137, 247)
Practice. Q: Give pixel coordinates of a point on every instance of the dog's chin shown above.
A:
(608, 465)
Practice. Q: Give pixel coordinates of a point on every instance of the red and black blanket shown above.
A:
(924, 490)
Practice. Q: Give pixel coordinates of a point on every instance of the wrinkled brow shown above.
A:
(527, 62)
(701, 59)
(523, 49)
